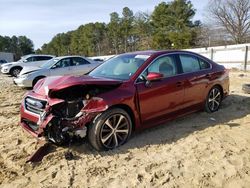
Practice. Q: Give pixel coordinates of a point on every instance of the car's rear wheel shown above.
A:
(213, 100)
(110, 130)
(15, 71)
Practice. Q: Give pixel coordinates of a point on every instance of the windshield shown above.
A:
(23, 58)
(121, 67)
(49, 63)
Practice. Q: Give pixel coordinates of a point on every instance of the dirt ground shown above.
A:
(199, 150)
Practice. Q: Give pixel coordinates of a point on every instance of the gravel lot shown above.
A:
(199, 150)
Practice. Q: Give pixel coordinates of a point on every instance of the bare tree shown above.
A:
(233, 16)
(209, 35)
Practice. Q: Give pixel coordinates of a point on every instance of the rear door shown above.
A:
(80, 66)
(162, 97)
(197, 74)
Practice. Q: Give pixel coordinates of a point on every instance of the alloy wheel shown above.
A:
(214, 99)
(16, 72)
(114, 131)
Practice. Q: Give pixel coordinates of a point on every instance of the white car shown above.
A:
(59, 66)
(2, 61)
(14, 68)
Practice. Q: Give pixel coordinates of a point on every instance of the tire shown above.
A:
(246, 88)
(103, 131)
(213, 100)
(36, 80)
(15, 71)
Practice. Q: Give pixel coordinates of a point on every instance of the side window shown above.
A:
(30, 59)
(165, 65)
(36, 58)
(43, 58)
(62, 63)
(204, 64)
(76, 61)
(189, 63)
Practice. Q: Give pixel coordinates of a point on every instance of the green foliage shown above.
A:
(126, 27)
(86, 40)
(143, 31)
(114, 32)
(19, 46)
(169, 26)
(173, 26)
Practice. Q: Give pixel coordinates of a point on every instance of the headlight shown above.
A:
(6, 65)
(23, 76)
(46, 89)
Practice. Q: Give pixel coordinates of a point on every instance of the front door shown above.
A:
(158, 98)
(61, 68)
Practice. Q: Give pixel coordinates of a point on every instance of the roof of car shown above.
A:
(30, 55)
(147, 52)
(159, 52)
(61, 57)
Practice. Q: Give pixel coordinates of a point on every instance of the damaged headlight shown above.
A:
(46, 89)
(23, 76)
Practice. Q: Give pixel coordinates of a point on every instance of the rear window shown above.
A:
(189, 63)
(192, 63)
(204, 64)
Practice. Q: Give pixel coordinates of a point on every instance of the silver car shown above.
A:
(59, 66)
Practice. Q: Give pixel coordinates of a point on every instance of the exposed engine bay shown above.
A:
(67, 112)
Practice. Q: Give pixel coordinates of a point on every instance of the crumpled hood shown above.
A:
(28, 69)
(55, 83)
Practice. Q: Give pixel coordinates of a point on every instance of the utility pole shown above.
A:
(246, 58)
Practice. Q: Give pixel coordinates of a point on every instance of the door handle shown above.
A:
(179, 84)
(208, 76)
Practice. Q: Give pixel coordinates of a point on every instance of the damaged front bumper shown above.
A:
(51, 125)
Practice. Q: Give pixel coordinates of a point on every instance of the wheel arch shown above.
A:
(15, 67)
(128, 110)
(37, 78)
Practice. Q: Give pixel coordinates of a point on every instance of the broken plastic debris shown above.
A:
(40, 153)
(69, 155)
(212, 119)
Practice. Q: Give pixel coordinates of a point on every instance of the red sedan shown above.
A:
(128, 92)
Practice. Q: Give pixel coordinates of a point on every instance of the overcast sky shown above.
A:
(40, 20)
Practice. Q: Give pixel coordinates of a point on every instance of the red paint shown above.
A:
(151, 104)
(154, 76)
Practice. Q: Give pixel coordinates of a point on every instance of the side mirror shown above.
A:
(53, 67)
(154, 76)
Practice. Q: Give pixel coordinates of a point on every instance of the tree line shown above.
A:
(18, 45)
(169, 26)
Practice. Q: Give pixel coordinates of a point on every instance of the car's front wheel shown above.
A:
(213, 100)
(15, 71)
(110, 130)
